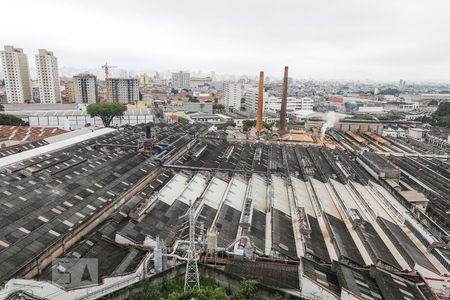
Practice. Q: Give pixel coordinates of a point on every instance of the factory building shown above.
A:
(308, 221)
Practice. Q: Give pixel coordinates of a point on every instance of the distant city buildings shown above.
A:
(85, 88)
(144, 79)
(17, 75)
(48, 76)
(181, 80)
(123, 90)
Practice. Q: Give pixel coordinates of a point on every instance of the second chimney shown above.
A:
(283, 113)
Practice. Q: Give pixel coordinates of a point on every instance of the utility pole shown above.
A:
(191, 278)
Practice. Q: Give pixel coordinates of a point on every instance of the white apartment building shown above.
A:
(48, 76)
(232, 94)
(123, 90)
(16, 74)
(251, 100)
(85, 86)
(181, 80)
(293, 104)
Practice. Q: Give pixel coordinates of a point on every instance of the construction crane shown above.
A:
(106, 67)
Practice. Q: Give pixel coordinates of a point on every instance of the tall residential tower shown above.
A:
(48, 76)
(17, 75)
(85, 86)
(123, 90)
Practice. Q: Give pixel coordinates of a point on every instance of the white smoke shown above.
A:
(330, 120)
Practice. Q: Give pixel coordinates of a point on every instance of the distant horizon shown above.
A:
(64, 73)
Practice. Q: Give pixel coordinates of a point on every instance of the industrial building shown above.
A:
(343, 215)
(311, 221)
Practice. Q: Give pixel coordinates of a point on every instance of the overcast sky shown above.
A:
(319, 39)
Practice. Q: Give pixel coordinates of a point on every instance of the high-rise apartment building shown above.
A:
(48, 76)
(181, 80)
(123, 90)
(17, 75)
(85, 87)
(69, 91)
(232, 94)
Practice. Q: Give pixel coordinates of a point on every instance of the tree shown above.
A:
(441, 117)
(267, 126)
(183, 120)
(6, 119)
(247, 290)
(192, 99)
(390, 91)
(2, 108)
(106, 111)
(433, 102)
(247, 124)
(218, 107)
(229, 123)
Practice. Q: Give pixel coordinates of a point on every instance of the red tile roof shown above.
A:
(336, 100)
(29, 134)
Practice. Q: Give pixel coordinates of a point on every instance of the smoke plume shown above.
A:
(330, 120)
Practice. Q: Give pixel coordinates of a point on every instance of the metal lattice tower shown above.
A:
(191, 278)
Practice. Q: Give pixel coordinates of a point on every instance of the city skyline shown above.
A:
(348, 40)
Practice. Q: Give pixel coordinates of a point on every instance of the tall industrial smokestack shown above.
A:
(283, 113)
(259, 113)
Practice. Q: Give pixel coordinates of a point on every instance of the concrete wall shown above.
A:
(79, 121)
